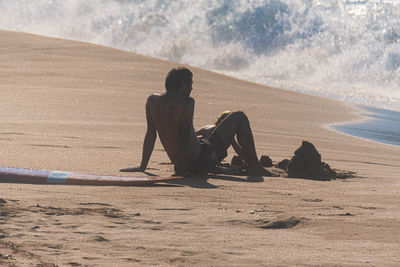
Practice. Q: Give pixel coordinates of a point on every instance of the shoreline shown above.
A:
(379, 125)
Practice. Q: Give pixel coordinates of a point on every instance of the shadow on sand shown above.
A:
(202, 181)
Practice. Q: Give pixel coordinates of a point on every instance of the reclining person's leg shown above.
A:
(238, 124)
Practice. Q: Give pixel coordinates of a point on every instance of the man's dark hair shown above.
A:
(176, 76)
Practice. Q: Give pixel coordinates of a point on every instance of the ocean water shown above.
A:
(382, 126)
(342, 49)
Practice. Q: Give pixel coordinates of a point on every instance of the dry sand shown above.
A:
(78, 107)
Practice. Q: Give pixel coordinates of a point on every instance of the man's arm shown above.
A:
(148, 144)
(149, 139)
(238, 149)
(205, 130)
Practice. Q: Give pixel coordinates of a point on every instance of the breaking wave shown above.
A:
(348, 50)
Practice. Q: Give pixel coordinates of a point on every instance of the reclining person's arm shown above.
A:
(238, 149)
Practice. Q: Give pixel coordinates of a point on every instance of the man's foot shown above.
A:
(260, 172)
(230, 170)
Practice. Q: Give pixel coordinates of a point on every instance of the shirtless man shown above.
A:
(171, 116)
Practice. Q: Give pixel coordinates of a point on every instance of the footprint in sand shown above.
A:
(90, 258)
(94, 204)
(177, 260)
(173, 209)
(53, 246)
(312, 200)
(336, 214)
(283, 223)
(34, 228)
(132, 260)
(72, 263)
(368, 208)
(101, 239)
(279, 223)
(156, 228)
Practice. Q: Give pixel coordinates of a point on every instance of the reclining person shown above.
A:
(171, 116)
(205, 132)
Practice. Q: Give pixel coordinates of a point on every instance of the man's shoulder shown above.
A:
(189, 100)
(153, 96)
(158, 99)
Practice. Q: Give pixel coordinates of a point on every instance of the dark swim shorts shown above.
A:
(205, 161)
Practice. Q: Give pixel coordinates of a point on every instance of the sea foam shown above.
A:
(348, 50)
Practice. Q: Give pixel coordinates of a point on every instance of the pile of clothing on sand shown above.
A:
(306, 164)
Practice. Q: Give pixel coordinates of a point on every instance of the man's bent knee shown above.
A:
(239, 116)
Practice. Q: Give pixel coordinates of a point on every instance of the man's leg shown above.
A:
(238, 124)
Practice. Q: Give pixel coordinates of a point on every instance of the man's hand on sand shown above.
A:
(135, 169)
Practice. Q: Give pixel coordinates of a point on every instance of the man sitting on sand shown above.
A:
(171, 116)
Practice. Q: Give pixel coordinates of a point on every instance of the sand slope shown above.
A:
(78, 107)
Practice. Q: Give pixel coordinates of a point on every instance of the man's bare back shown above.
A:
(172, 117)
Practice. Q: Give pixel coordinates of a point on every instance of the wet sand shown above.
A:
(78, 107)
(381, 126)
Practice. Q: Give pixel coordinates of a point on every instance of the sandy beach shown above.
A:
(79, 107)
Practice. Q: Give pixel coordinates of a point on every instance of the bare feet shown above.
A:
(261, 172)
